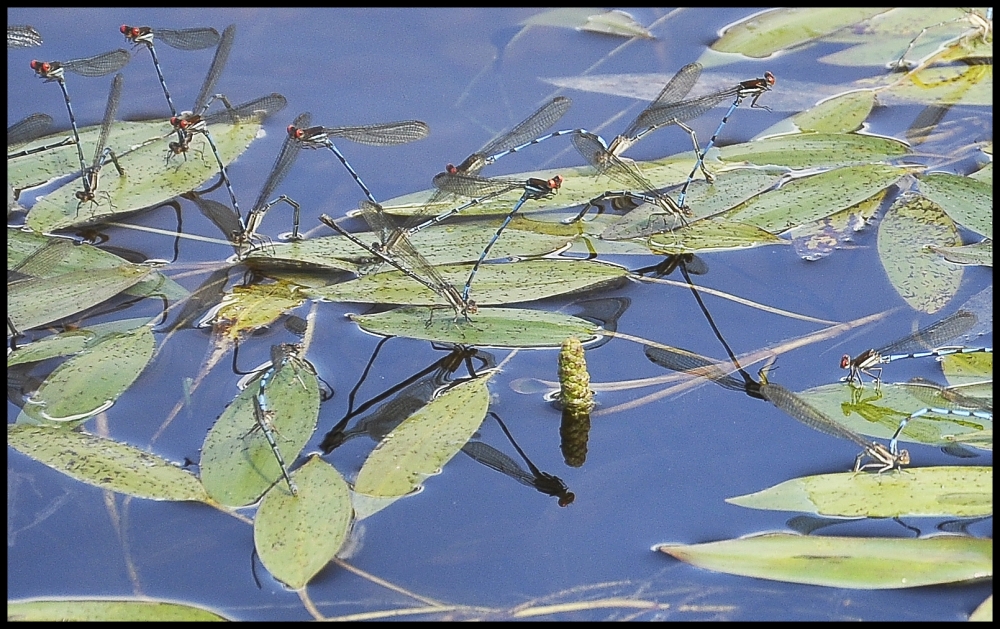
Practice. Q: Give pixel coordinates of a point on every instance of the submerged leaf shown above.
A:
(105, 463)
(845, 562)
(250, 308)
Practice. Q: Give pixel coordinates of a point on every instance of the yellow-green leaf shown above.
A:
(104, 611)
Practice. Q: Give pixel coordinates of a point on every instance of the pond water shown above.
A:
(659, 472)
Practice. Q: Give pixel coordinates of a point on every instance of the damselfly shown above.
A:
(922, 343)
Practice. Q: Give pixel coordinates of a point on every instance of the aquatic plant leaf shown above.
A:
(920, 276)
(237, 463)
(819, 239)
(248, 308)
(528, 280)
(814, 150)
(967, 201)
(712, 235)
(962, 369)
(979, 253)
(843, 113)
(296, 536)
(105, 463)
(878, 414)
(616, 22)
(845, 562)
(91, 381)
(35, 301)
(69, 342)
(772, 31)
(21, 244)
(148, 180)
(423, 443)
(969, 85)
(490, 327)
(947, 491)
(104, 610)
(812, 198)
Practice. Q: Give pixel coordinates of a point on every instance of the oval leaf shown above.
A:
(967, 201)
(98, 610)
(490, 327)
(105, 463)
(766, 33)
(91, 381)
(296, 536)
(845, 562)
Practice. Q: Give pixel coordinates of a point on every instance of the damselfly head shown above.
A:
(845, 362)
(769, 78)
(137, 34)
(49, 70)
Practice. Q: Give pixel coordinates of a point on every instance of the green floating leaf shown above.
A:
(766, 33)
(845, 562)
(617, 23)
(820, 239)
(96, 611)
(249, 308)
(943, 85)
(952, 491)
(528, 280)
(879, 413)
(919, 275)
(421, 445)
(91, 381)
(967, 201)
(983, 613)
(984, 174)
(843, 113)
(566, 17)
(70, 342)
(490, 327)
(40, 168)
(961, 369)
(814, 150)
(809, 199)
(23, 244)
(976, 254)
(105, 463)
(296, 536)
(237, 463)
(147, 181)
(704, 236)
(35, 301)
(729, 190)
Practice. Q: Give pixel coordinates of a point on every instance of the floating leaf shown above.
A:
(819, 239)
(252, 307)
(729, 190)
(919, 275)
(69, 342)
(101, 610)
(879, 413)
(528, 280)
(566, 17)
(296, 536)
(35, 301)
(952, 491)
(616, 22)
(105, 463)
(979, 253)
(713, 235)
(766, 33)
(943, 85)
(845, 562)
(147, 182)
(961, 369)
(421, 445)
(237, 463)
(983, 613)
(967, 201)
(813, 150)
(91, 381)
(22, 244)
(490, 327)
(809, 199)
(843, 113)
